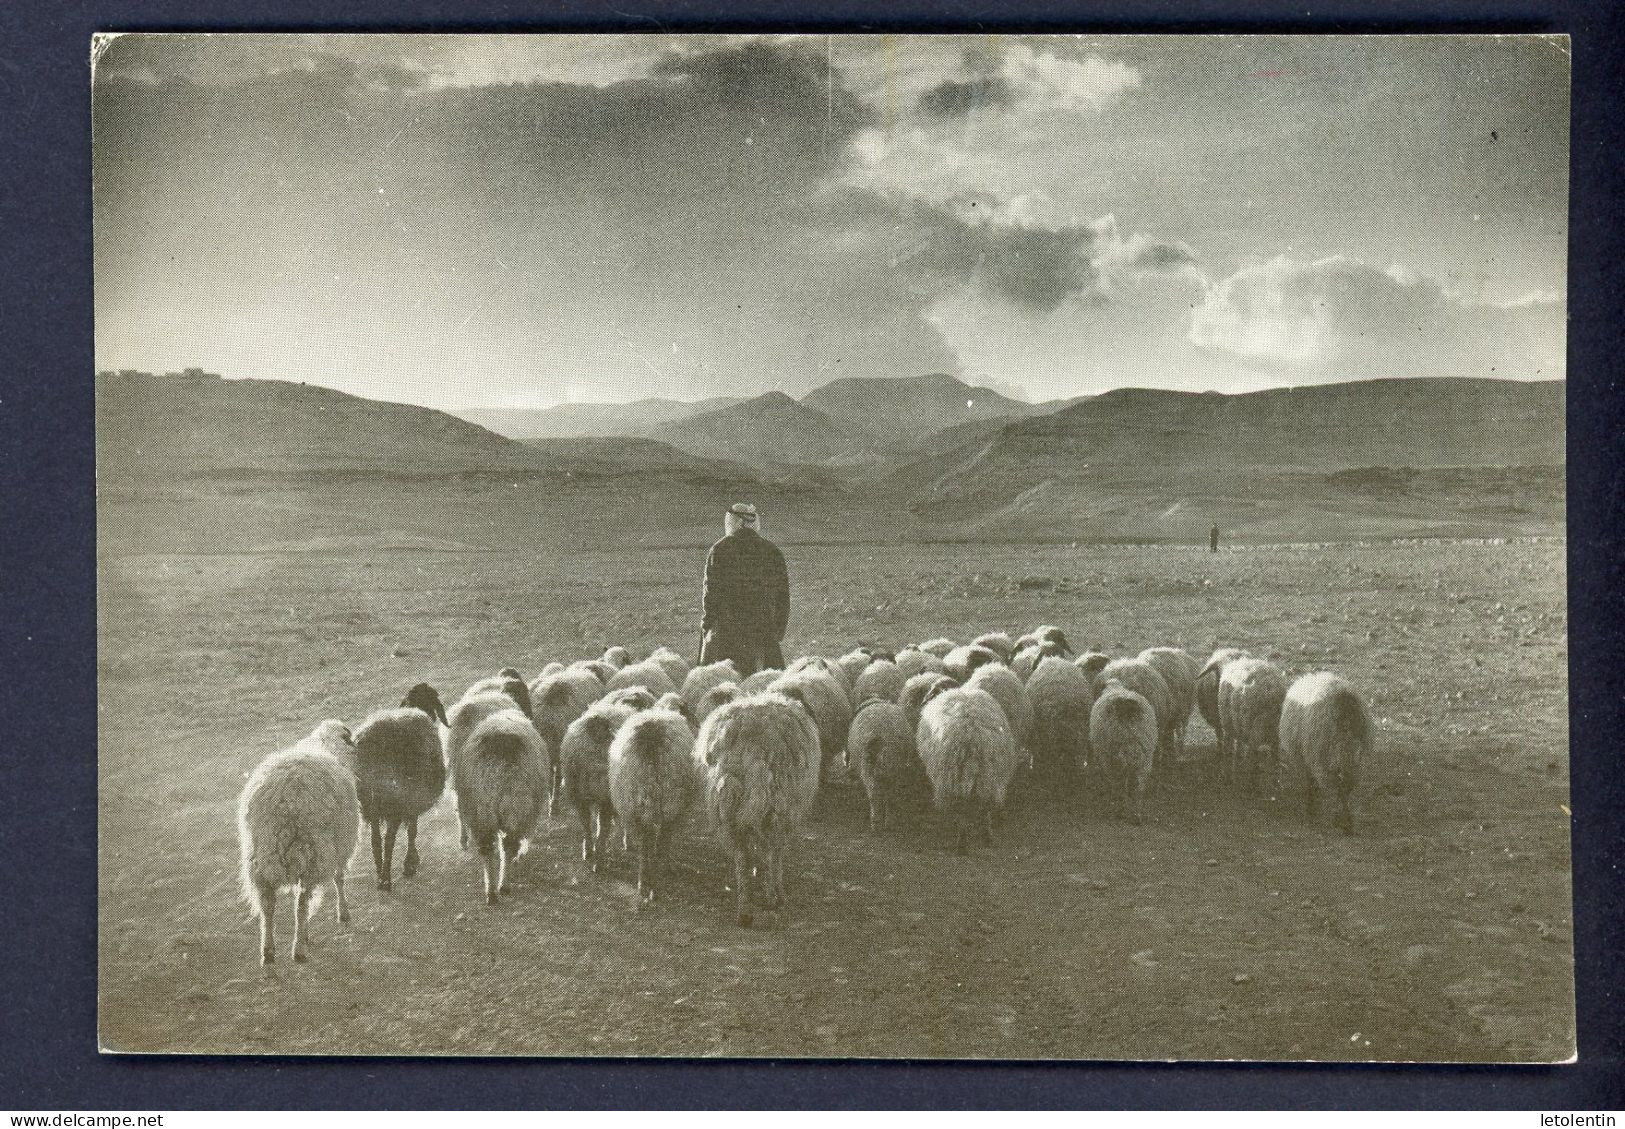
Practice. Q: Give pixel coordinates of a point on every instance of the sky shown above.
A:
(518, 221)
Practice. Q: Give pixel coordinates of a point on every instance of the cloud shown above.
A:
(952, 98)
(1341, 318)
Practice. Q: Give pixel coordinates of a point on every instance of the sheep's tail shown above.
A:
(508, 747)
(1122, 711)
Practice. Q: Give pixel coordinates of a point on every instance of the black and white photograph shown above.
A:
(881, 546)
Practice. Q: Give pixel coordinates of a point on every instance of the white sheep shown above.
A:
(556, 701)
(1325, 734)
(297, 820)
(584, 753)
(502, 782)
(1251, 692)
(1032, 652)
(1060, 695)
(1143, 679)
(827, 666)
(714, 699)
(649, 674)
(762, 760)
(919, 690)
(880, 679)
(912, 661)
(702, 678)
(400, 773)
(854, 663)
(962, 661)
(822, 696)
(998, 642)
(617, 657)
(1179, 673)
(675, 665)
(465, 717)
(938, 647)
(761, 680)
(1207, 688)
(969, 754)
(653, 781)
(1123, 739)
(880, 748)
(1000, 681)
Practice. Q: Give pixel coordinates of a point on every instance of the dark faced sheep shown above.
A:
(1207, 687)
(585, 755)
(962, 661)
(617, 657)
(1325, 735)
(1000, 681)
(1060, 696)
(297, 820)
(400, 773)
(508, 681)
(881, 679)
(762, 760)
(653, 781)
(1030, 654)
(502, 785)
(556, 701)
(969, 755)
(1179, 672)
(703, 678)
(826, 666)
(1054, 636)
(1092, 663)
(998, 642)
(880, 749)
(1143, 679)
(674, 702)
(824, 699)
(1123, 739)
(1251, 692)
(599, 669)
(919, 690)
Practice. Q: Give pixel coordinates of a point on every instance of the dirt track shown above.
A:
(1225, 928)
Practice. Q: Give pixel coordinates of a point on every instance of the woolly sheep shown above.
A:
(1049, 633)
(556, 701)
(1092, 663)
(762, 759)
(1179, 672)
(297, 820)
(653, 780)
(969, 755)
(703, 678)
(833, 669)
(674, 702)
(501, 782)
(585, 756)
(1325, 734)
(649, 674)
(761, 680)
(997, 642)
(937, 647)
(911, 661)
(1251, 693)
(714, 699)
(880, 748)
(551, 668)
(824, 699)
(466, 716)
(617, 657)
(961, 661)
(1143, 679)
(1123, 739)
(919, 690)
(1000, 681)
(1060, 696)
(668, 660)
(1028, 656)
(881, 679)
(599, 669)
(635, 697)
(854, 663)
(507, 682)
(1207, 687)
(400, 773)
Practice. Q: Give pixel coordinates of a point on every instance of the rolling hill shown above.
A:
(906, 410)
(574, 421)
(770, 429)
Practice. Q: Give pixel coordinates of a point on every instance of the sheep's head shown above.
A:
(424, 697)
(516, 689)
(636, 697)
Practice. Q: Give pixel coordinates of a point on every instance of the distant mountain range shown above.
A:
(1370, 458)
(574, 421)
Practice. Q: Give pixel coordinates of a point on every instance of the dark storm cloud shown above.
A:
(1162, 256)
(953, 98)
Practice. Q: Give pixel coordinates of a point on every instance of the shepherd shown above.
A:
(1213, 539)
(746, 599)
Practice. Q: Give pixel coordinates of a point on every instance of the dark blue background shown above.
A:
(48, 1054)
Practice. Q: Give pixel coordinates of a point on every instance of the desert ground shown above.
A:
(1226, 927)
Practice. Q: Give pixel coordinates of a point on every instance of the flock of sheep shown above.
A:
(642, 744)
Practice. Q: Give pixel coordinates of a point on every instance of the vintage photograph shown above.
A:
(856, 546)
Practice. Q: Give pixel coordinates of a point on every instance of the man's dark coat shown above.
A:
(746, 603)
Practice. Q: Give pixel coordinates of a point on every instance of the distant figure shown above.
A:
(1213, 540)
(746, 602)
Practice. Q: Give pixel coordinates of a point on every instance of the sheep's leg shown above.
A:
(510, 851)
(646, 890)
(410, 866)
(390, 832)
(1345, 815)
(378, 856)
(342, 909)
(1311, 798)
(265, 896)
(874, 814)
(742, 887)
(1136, 785)
(491, 861)
(301, 920)
(987, 827)
(775, 871)
(591, 830)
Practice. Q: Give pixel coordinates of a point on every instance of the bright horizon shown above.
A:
(510, 222)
